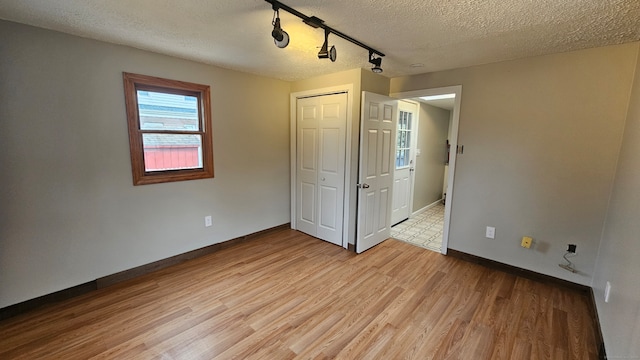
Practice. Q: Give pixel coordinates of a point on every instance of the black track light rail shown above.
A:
(315, 22)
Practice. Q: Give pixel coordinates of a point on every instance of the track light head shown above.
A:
(280, 37)
(330, 54)
(325, 52)
(377, 62)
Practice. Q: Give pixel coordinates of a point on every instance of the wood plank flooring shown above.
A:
(290, 296)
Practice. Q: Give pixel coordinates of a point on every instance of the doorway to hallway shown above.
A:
(433, 162)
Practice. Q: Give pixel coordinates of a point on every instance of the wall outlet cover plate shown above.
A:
(490, 232)
(526, 242)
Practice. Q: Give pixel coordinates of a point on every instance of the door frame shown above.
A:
(348, 89)
(455, 89)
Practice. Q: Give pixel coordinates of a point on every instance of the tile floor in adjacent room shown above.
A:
(423, 229)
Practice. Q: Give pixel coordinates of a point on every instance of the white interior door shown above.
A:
(405, 147)
(375, 178)
(320, 166)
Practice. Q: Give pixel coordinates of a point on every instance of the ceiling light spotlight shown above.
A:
(280, 37)
(325, 52)
(376, 63)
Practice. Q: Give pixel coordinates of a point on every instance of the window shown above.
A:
(403, 148)
(170, 136)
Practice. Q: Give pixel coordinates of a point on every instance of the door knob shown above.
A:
(363, 186)
(322, 179)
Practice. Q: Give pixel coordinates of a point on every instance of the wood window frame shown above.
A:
(135, 82)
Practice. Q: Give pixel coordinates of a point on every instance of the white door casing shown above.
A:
(375, 178)
(320, 166)
(405, 159)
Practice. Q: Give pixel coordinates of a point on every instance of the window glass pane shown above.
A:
(403, 143)
(172, 151)
(401, 159)
(161, 111)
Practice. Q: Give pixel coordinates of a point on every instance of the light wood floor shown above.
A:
(287, 295)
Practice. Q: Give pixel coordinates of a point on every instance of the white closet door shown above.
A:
(321, 151)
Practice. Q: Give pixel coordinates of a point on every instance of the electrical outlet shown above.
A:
(607, 292)
(208, 221)
(490, 232)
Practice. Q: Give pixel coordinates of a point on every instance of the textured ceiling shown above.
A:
(430, 35)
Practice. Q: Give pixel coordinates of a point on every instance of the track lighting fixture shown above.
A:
(280, 37)
(376, 63)
(325, 52)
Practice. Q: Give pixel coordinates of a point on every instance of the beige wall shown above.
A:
(374, 83)
(68, 210)
(432, 142)
(541, 138)
(617, 260)
(361, 80)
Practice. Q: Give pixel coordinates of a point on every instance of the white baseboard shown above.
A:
(439, 201)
